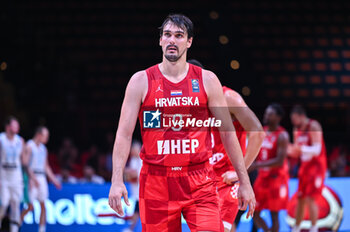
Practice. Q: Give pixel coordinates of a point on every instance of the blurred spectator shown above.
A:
(67, 157)
(132, 173)
(65, 177)
(90, 176)
(101, 166)
(339, 161)
(90, 158)
(53, 162)
(108, 152)
(95, 159)
(89, 155)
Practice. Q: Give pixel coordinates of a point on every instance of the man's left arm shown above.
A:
(249, 122)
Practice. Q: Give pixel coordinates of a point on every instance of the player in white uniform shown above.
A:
(11, 180)
(38, 165)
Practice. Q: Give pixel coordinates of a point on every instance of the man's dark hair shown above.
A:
(39, 129)
(9, 119)
(277, 108)
(195, 62)
(298, 109)
(180, 21)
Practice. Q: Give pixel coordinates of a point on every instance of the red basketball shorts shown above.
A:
(271, 193)
(228, 202)
(168, 192)
(311, 181)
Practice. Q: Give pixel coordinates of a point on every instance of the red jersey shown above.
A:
(303, 137)
(269, 151)
(220, 161)
(169, 119)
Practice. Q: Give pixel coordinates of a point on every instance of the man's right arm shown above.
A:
(135, 92)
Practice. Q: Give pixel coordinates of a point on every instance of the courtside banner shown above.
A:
(84, 208)
(79, 207)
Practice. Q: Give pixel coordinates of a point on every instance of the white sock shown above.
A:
(42, 228)
(296, 228)
(314, 229)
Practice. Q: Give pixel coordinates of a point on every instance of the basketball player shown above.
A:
(11, 181)
(271, 185)
(309, 146)
(176, 177)
(38, 190)
(244, 121)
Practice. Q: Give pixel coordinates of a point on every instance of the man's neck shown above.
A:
(304, 123)
(174, 71)
(10, 135)
(36, 141)
(272, 128)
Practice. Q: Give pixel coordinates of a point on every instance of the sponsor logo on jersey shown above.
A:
(178, 122)
(216, 158)
(267, 144)
(151, 119)
(195, 85)
(302, 139)
(176, 101)
(177, 146)
(176, 92)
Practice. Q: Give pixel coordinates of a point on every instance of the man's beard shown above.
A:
(173, 57)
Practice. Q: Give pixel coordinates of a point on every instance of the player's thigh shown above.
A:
(159, 215)
(33, 194)
(261, 191)
(43, 190)
(203, 217)
(16, 192)
(5, 195)
(228, 204)
(157, 212)
(311, 185)
(278, 198)
(203, 213)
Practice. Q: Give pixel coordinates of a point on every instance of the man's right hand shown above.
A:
(246, 198)
(229, 177)
(117, 191)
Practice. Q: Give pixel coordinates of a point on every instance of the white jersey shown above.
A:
(37, 157)
(10, 159)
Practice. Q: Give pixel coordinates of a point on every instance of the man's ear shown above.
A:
(189, 42)
(160, 41)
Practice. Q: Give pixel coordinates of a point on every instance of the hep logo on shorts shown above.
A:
(151, 119)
